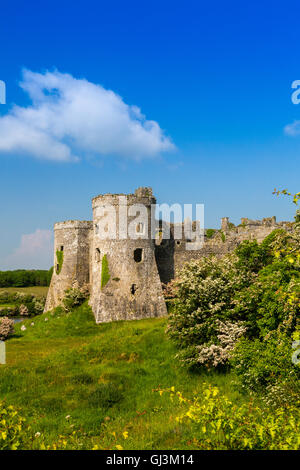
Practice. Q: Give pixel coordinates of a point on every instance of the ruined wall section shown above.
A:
(71, 259)
(130, 287)
(172, 254)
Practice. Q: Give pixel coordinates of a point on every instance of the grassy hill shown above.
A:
(71, 377)
(39, 291)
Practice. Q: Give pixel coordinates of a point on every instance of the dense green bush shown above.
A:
(251, 255)
(9, 310)
(264, 304)
(263, 364)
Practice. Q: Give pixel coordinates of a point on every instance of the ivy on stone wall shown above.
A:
(210, 232)
(105, 276)
(60, 260)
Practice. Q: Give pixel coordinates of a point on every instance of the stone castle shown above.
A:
(125, 276)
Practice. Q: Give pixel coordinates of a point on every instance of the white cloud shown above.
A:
(69, 118)
(34, 252)
(292, 129)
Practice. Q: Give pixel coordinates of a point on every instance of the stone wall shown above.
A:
(172, 254)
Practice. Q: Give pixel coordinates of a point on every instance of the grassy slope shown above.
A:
(103, 376)
(36, 290)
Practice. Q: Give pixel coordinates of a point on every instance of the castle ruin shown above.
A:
(125, 275)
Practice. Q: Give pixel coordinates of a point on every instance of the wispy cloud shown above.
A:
(292, 129)
(35, 251)
(71, 118)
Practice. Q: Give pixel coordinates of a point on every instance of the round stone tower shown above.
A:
(125, 283)
(71, 259)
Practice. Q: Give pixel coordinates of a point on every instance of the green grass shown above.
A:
(40, 291)
(104, 377)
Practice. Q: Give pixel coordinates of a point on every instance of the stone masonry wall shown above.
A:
(172, 254)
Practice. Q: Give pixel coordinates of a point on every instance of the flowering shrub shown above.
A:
(200, 318)
(12, 431)
(251, 292)
(23, 310)
(6, 328)
(218, 354)
(20, 303)
(254, 256)
(75, 297)
(38, 305)
(272, 300)
(218, 424)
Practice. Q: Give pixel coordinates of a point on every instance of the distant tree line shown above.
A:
(25, 278)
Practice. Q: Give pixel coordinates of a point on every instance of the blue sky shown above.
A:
(215, 77)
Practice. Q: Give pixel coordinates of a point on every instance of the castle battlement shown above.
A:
(141, 196)
(74, 224)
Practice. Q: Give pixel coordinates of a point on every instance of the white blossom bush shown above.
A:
(23, 310)
(201, 320)
(283, 394)
(75, 296)
(6, 328)
(218, 354)
(39, 305)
